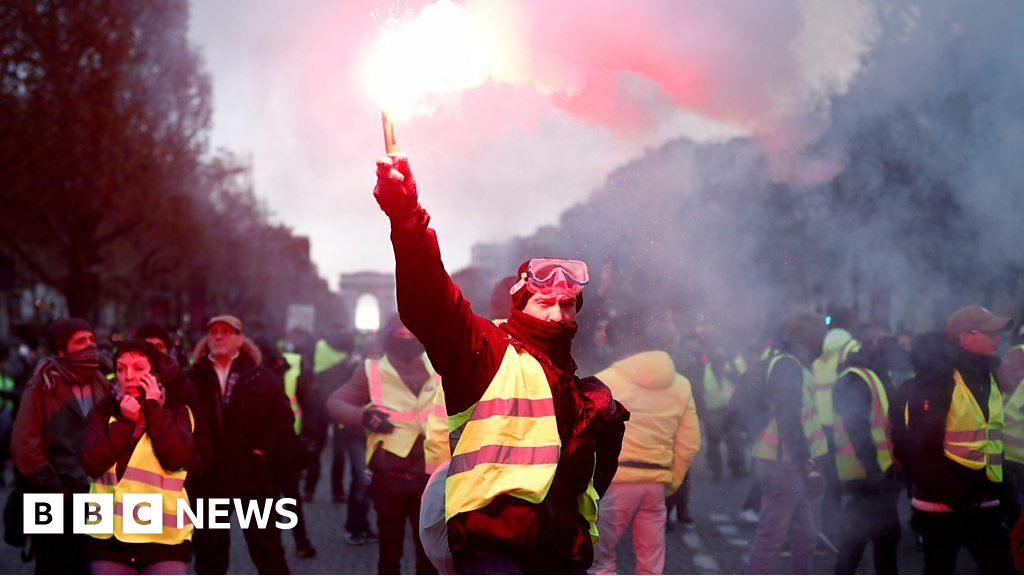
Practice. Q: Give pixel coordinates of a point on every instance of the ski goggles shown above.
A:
(553, 276)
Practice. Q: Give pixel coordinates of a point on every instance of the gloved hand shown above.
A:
(377, 421)
(396, 188)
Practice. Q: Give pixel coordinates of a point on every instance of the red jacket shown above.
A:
(467, 350)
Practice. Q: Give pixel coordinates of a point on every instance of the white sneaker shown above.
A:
(748, 516)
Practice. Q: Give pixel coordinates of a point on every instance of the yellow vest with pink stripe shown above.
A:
(507, 443)
(145, 475)
(971, 440)
(848, 466)
(413, 415)
(766, 443)
(1013, 423)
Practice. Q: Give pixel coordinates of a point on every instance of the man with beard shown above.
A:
(864, 461)
(48, 433)
(398, 400)
(534, 445)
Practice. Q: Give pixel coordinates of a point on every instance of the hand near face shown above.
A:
(151, 389)
(131, 408)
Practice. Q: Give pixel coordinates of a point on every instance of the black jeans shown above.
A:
(980, 531)
(397, 500)
(354, 445)
(212, 549)
(869, 516)
(61, 553)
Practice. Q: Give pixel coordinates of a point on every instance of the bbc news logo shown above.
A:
(144, 513)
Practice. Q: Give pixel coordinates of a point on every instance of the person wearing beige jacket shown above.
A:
(662, 438)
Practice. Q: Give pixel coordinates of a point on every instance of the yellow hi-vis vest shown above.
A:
(413, 416)
(1013, 421)
(970, 440)
(325, 357)
(826, 372)
(291, 384)
(766, 443)
(145, 475)
(848, 466)
(717, 391)
(507, 443)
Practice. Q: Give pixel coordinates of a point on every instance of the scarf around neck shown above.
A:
(552, 341)
(78, 369)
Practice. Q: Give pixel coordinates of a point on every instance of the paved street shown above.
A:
(718, 543)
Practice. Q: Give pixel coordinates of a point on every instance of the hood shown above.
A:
(834, 340)
(249, 348)
(653, 370)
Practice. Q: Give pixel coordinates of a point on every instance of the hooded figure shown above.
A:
(662, 438)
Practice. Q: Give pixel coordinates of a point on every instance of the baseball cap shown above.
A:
(228, 319)
(971, 318)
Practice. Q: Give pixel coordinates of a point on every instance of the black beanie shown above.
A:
(62, 329)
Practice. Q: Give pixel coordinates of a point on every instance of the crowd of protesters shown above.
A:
(523, 440)
(937, 417)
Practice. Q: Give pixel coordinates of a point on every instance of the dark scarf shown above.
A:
(550, 341)
(78, 369)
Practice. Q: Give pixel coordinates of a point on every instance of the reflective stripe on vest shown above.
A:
(507, 443)
(825, 372)
(291, 384)
(413, 416)
(848, 466)
(766, 443)
(145, 475)
(717, 392)
(970, 440)
(1013, 421)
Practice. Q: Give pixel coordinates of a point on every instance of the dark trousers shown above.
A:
(60, 553)
(338, 461)
(832, 499)
(212, 549)
(486, 563)
(680, 500)
(313, 439)
(397, 500)
(720, 429)
(290, 489)
(354, 446)
(869, 516)
(980, 531)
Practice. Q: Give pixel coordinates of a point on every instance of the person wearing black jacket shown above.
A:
(250, 423)
(870, 513)
(954, 505)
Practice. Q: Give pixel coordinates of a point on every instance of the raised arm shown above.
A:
(464, 348)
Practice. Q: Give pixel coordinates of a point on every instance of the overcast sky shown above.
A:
(591, 85)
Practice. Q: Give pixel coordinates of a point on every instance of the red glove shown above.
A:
(396, 187)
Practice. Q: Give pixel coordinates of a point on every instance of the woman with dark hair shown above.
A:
(138, 441)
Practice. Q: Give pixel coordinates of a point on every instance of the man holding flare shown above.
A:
(533, 445)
